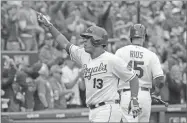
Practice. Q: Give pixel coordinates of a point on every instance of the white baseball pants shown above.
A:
(106, 113)
(144, 99)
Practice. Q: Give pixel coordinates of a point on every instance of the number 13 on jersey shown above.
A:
(97, 83)
(137, 66)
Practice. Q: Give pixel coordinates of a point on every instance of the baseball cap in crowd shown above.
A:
(96, 32)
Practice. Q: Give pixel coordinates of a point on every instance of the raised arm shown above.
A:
(76, 53)
(59, 38)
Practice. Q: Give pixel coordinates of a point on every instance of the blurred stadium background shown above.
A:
(26, 44)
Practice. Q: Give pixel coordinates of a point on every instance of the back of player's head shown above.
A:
(137, 31)
(98, 35)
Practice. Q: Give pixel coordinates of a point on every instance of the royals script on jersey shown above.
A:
(143, 61)
(101, 74)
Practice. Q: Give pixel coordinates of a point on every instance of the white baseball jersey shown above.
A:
(145, 62)
(101, 74)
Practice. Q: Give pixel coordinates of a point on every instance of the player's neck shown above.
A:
(138, 45)
(97, 53)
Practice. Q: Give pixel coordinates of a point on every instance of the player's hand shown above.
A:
(134, 107)
(43, 19)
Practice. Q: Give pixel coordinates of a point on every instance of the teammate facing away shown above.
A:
(101, 73)
(149, 71)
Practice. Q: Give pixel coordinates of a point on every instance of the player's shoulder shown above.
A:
(77, 49)
(151, 55)
(112, 58)
(151, 52)
(146, 50)
(125, 48)
(110, 55)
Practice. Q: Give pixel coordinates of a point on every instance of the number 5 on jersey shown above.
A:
(137, 67)
(98, 83)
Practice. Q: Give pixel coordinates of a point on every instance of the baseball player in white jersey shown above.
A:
(102, 70)
(148, 68)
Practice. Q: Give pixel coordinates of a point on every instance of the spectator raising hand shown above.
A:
(29, 28)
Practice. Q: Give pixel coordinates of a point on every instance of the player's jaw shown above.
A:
(88, 47)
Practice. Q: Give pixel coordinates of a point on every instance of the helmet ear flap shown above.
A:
(102, 41)
(94, 42)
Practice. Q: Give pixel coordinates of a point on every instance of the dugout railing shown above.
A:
(159, 114)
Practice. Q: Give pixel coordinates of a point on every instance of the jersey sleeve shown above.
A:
(123, 53)
(118, 53)
(76, 54)
(156, 67)
(122, 70)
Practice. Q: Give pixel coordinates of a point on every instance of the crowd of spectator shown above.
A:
(52, 85)
(55, 82)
